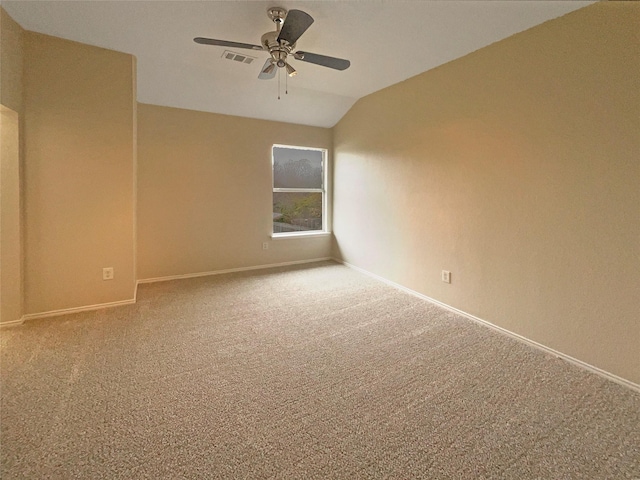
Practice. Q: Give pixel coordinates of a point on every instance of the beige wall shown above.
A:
(79, 174)
(204, 192)
(11, 105)
(517, 169)
(10, 243)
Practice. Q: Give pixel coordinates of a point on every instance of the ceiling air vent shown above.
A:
(237, 57)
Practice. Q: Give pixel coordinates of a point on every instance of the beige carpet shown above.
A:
(299, 372)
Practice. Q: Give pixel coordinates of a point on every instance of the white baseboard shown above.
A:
(539, 346)
(230, 270)
(67, 311)
(12, 323)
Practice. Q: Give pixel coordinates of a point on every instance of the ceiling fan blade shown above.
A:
(331, 62)
(268, 70)
(295, 24)
(225, 43)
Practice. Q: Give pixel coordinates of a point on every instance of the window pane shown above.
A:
(297, 212)
(297, 168)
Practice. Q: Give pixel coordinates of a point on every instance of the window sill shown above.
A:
(284, 236)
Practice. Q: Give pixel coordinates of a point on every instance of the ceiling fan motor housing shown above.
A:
(279, 50)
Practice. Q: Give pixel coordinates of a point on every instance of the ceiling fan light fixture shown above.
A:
(270, 68)
(279, 58)
(292, 72)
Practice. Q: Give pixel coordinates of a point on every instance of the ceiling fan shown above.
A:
(280, 44)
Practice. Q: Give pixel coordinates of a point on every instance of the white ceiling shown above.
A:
(386, 42)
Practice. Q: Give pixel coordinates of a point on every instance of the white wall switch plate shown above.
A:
(446, 276)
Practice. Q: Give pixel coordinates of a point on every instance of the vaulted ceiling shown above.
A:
(386, 42)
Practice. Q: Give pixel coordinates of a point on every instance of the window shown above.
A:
(299, 190)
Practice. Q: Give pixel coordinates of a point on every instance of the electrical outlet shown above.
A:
(446, 276)
(265, 245)
(107, 273)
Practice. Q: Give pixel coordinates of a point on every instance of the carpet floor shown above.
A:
(312, 371)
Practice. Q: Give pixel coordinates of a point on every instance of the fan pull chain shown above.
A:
(286, 84)
(279, 75)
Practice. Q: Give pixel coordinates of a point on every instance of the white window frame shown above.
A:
(323, 191)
